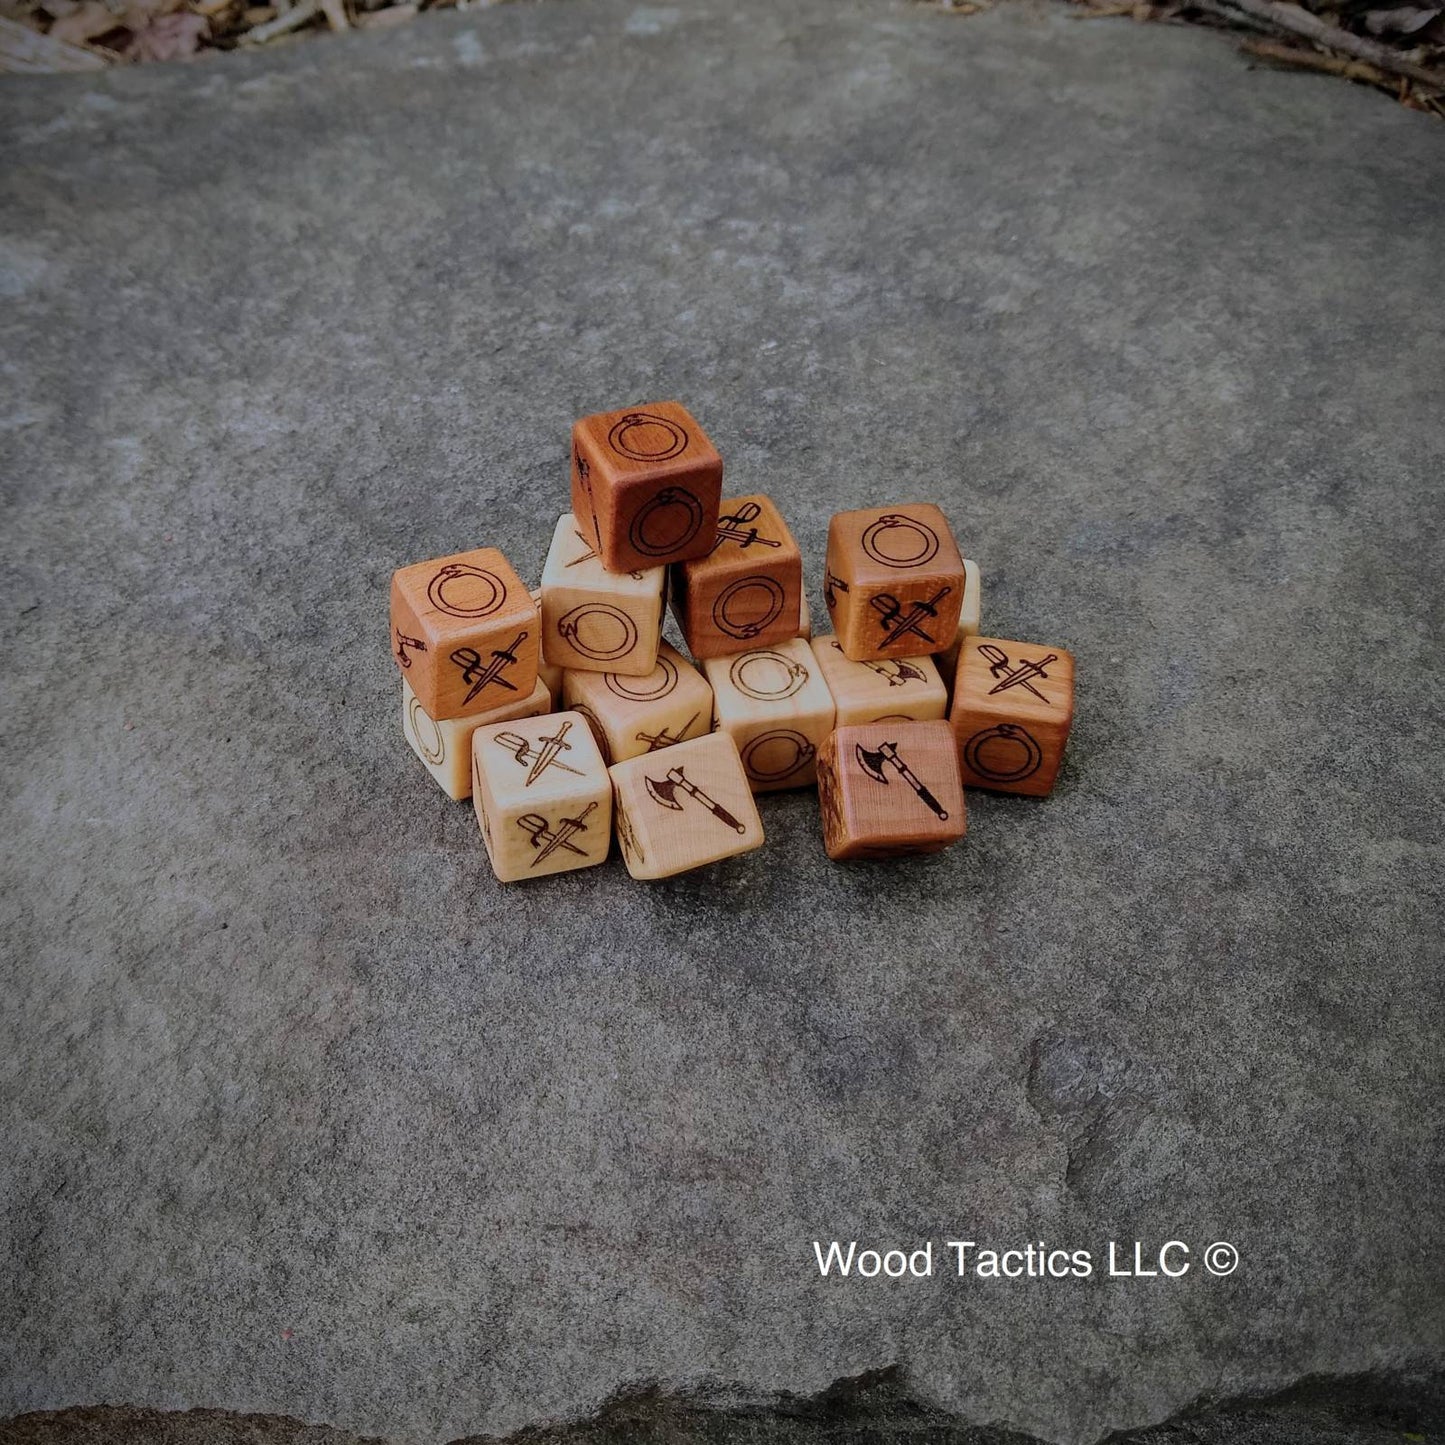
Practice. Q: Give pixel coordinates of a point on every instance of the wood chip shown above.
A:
(385, 19)
(23, 50)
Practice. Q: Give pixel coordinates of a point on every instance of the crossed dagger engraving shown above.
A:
(664, 791)
(547, 840)
(1011, 676)
(898, 624)
(663, 738)
(736, 528)
(874, 761)
(480, 674)
(547, 753)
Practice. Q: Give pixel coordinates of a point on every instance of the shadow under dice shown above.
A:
(748, 590)
(892, 689)
(465, 633)
(630, 716)
(646, 483)
(542, 796)
(1013, 706)
(593, 619)
(890, 790)
(775, 705)
(893, 581)
(684, 807)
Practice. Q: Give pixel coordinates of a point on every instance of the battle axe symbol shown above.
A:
(665, 791)
(874, 762)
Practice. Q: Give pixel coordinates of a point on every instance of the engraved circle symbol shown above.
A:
(767, 675)
(646, 437)
(899, 541)
(599, 631)
(1004, 754)
(462, 590)
(666, 523)
(732, 612)
(656, 684)
(427, 734)
(770, 757)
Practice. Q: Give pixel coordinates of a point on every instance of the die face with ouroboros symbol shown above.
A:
(748, 591)
(1013, 706)
(893, 581)
(542, 795)
(465, 633)
(775, 705)
(646, 483)
(594, 620)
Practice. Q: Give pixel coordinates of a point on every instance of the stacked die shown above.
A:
(566, 717)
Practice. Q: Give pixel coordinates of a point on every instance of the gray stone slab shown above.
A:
(305, 1116)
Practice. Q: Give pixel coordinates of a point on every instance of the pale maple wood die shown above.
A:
(684, 807)
(646, 483)
(890, 790)
(748, 590)
(968, 624)
(630, 716)
(776, 706)
(445, 747)
(1013, 705)
(542, 796)
(805, 617)
(893, 581)
(896, 689)
(595, 620)
(549, 672)
(464, 632)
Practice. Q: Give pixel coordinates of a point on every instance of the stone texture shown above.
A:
(306, 1117)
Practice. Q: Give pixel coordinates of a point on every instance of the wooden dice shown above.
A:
(684, 807)
(893, 581)
(542, 796)
(646, 484)
(775, 705)
(465, 633)
(892, 689)
(630, 716)
(593, 619)
(1013, 704)
(887, 790)
(445, 747)
(968, 624)
(748, 590)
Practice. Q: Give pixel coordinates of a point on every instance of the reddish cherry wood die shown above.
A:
(888, 790)
(1013, 704)
(646, 483)
(465, 633)
(748, 591)
(894, 581)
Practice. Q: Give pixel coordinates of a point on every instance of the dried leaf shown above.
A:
(169, 37)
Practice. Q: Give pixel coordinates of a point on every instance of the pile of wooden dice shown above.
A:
(565, 716)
